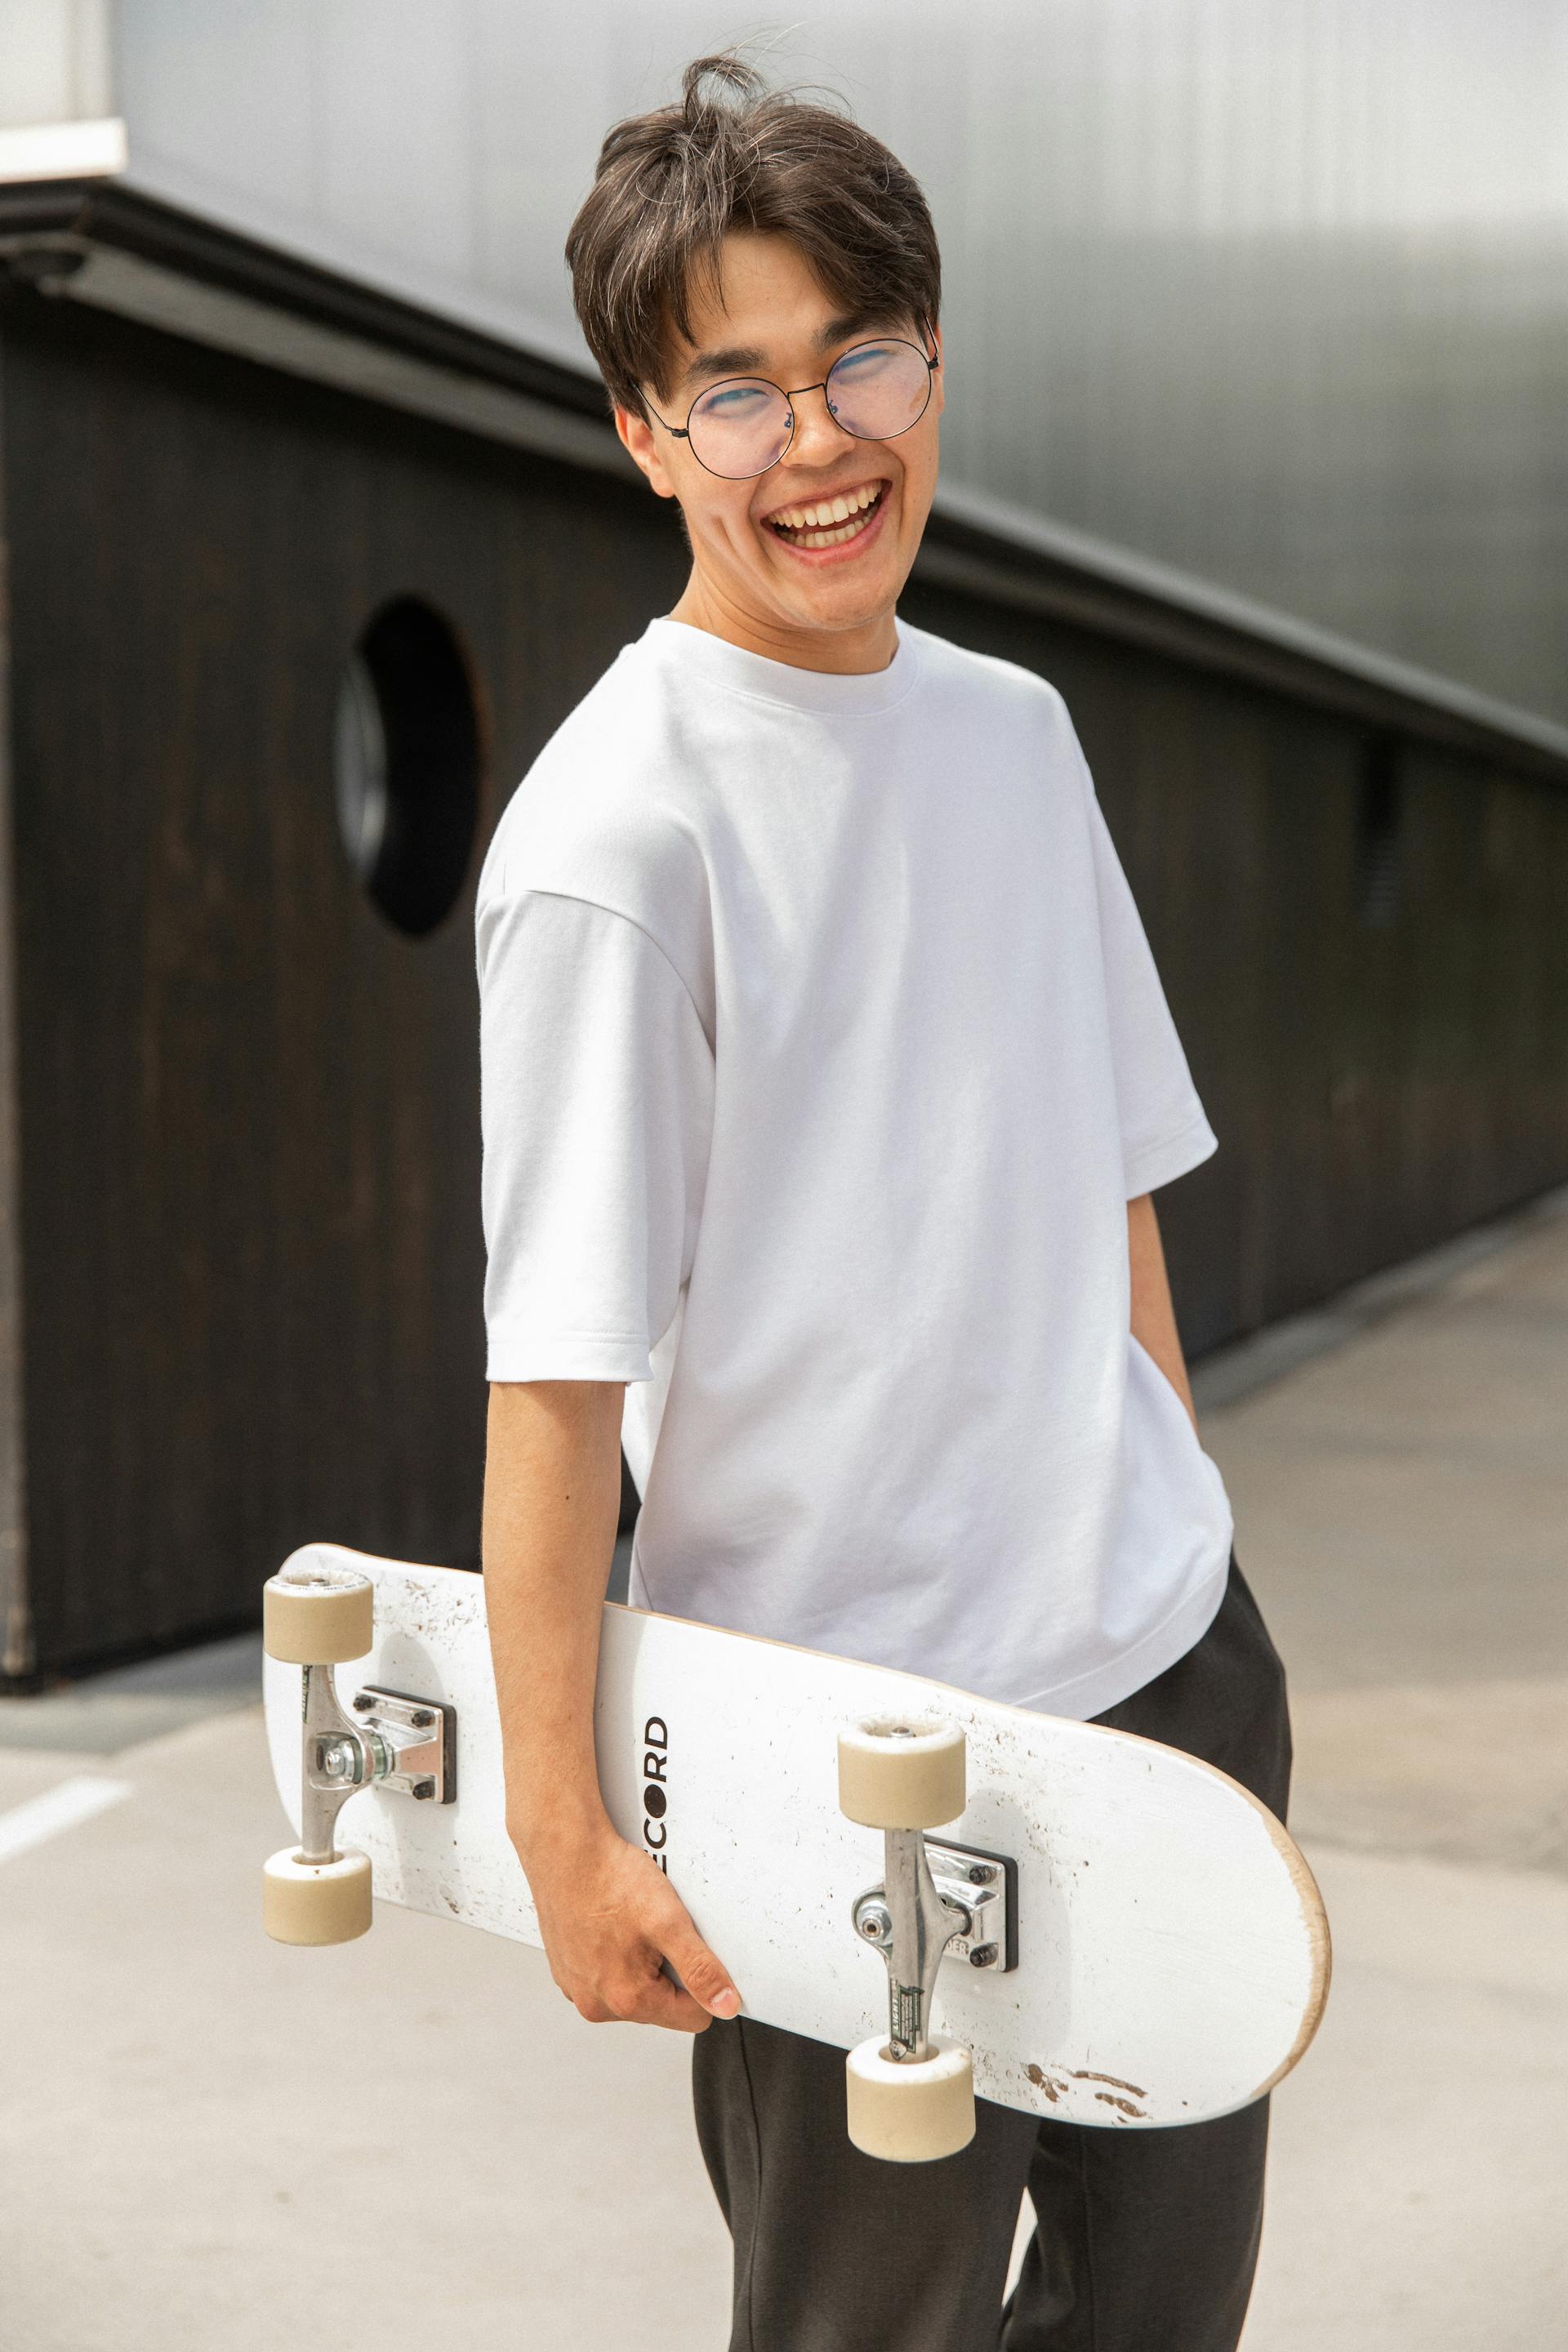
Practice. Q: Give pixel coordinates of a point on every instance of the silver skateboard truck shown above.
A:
(937, 1902)
(318, 1619)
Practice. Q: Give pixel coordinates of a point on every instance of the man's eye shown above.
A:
(734, 400)
(857, 365)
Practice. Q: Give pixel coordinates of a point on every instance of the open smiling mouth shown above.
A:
(830, 523)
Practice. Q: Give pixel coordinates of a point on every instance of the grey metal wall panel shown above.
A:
(1274, 289)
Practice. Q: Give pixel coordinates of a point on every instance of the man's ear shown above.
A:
(939, 384)
(641, 445)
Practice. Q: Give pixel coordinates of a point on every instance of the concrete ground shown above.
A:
(210, 2144)
(1402, 1512)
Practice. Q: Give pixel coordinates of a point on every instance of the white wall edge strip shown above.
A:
(64, 1807)
(64, 151)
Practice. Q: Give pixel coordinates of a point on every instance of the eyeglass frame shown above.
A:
(683, 432)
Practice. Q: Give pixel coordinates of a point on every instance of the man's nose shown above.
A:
(819, 439)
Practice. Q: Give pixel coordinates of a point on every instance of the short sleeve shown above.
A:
(596, 1099)
(1164, 1129)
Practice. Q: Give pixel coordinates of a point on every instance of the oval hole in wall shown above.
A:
(1380, 810)
(406, 764)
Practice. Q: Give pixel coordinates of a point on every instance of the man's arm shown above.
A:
(608, 1916)
(1154, 1317)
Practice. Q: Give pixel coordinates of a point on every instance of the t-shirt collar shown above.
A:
(827, 692)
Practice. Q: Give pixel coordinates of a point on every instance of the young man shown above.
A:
(826, 1077)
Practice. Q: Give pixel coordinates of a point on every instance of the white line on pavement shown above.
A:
(57, 1809)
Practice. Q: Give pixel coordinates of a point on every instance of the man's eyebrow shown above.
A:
(856, 322)
(708, 367)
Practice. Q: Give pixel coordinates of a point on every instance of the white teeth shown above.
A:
(823, 524)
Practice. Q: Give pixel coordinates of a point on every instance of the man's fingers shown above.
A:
(649, 1998)
(660, 2003)
(592, 2010)
(701, 1971)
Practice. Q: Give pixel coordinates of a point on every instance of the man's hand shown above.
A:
(610, 1920)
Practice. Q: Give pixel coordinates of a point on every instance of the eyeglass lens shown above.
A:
(874, 391)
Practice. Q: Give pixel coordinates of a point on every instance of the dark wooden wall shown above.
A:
(252, 1252)
(252, 1258)
(1376, 1086)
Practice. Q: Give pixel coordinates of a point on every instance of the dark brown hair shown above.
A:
(734, 155)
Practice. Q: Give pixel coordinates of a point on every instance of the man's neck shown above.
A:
(869, 646)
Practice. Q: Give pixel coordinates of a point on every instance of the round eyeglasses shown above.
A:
(743, 424)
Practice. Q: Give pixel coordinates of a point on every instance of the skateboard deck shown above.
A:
(1154, 1950)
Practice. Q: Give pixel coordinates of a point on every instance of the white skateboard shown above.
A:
(1109, 1931)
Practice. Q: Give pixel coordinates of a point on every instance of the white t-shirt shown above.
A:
(821, 1051)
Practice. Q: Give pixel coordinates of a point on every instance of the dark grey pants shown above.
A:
(1147, 2241)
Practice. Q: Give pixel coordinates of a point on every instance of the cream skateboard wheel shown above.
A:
(912, 2110)
(319, 1616)
(315, 1902)
(901, 1774)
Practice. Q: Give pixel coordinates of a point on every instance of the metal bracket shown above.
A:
(986, 1887)
(419, 1736)
(392, 1740)
(979, 1891)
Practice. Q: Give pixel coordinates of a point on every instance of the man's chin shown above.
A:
(838, 601)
